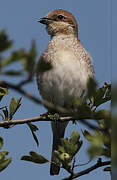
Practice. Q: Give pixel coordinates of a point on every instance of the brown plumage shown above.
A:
(71, 69)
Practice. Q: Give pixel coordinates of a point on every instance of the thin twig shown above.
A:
(24, 82)
(32, 97)
(18, 89)
(28, 80)
(74, 161)
(83, 164)
(72, 169)
(88, 170)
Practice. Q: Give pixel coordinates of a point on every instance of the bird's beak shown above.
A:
(45, 20)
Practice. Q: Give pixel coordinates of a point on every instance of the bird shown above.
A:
(71, 69)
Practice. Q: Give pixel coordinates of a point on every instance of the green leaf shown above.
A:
(5, 43)
(103, 114)
(99, 96)
(5, 111)
(57, 154)
(36, 158)
(30, 58)
(107, 168)
(40, 158)
(29, 158)
(67, 146)
(91, 87)
(13, 73)
(84, 110)
(106, 152)
(4, 164)
(3, 161)
(14, 105)
(5, 152)
(78, 102)
(98, 143)
(51, 116)
(87, 135)
(61, 149)
(95, 150)
(102, 95)
(1, 108)
(74, 137)
(2, 116)
(2, 155)
(1, 142)
(14, 57)
(33, 128)
(72, 145)
(108, 92)
(3, 91)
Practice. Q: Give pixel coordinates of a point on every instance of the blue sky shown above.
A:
(19, 18)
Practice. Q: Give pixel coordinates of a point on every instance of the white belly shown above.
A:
(65, 81)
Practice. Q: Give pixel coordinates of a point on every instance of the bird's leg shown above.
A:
(56, 118)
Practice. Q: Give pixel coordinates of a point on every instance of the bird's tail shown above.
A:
(58, 129)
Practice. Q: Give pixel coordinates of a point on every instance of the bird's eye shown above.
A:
(60, 17)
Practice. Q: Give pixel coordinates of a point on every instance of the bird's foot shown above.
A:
(56, 116)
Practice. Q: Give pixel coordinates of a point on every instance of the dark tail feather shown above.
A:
(55, 166)
(58, 129)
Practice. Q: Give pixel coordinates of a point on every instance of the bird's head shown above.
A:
(60, 22)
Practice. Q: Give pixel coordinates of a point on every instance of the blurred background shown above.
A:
(19, 18)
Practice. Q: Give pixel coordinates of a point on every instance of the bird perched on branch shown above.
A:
(71, 69)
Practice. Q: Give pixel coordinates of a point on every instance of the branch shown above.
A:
(69, 112)
(88, 170)
(20, 90)
(28, 80)
(7, 123)
(33, 119)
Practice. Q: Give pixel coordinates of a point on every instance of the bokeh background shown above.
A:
(19, 18)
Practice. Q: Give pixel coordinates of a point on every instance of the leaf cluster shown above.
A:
(68, 149)
(8, 112)
(4, 162)
(65, 153)
(100, 143)
(26, 58)
(92, 98)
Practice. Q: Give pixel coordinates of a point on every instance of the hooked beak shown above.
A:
(45, 20)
